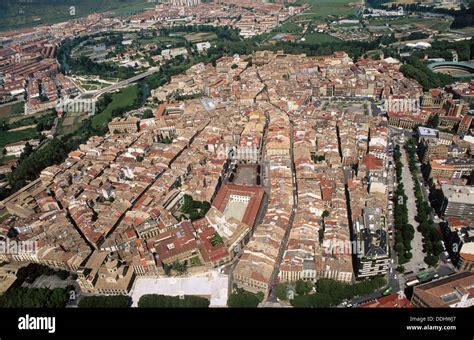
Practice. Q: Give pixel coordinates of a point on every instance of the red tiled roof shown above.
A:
(389, 301)
(256, 196)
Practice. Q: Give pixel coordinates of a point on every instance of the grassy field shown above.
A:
(465, 30)
(4, 216)
(324, 8)
(289, 27)
(200, 36)
(320, 38)
(9, 111)
(15, 14)
(158, 40)
(16, 136)
(120, 99)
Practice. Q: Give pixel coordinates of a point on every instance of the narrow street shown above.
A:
(284, 242)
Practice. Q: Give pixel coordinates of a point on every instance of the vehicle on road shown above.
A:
(412, 283)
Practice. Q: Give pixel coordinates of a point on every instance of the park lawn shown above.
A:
(9, 111)
(320, 38)
(124, 97)
(8, 137)
(324, 8)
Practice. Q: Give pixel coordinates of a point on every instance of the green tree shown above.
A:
(303, 287)
(243, 299)
(163, 301)
(116, 301)
(282, 291)
(433, 121)
(147, 114)
(431, 260)
(3, 125)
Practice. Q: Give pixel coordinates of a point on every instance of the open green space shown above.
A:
(320, 38)
(132, 8)
(7, 137)
(123, 98)
(158, 40)
(71, 122)
(12, 110)
(289, 27)
(200, 36)
(324, 8)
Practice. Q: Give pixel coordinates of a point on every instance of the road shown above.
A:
(397, 285)
(119, 85)
(274, 278)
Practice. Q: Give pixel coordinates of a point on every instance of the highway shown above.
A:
(123, 83)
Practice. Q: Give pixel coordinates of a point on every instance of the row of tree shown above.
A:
(432, 246)
(240, 298)
(330, 292)
(21, 297)
(163, 301)
(404, 232)
(117, 301)
(31, 272)
(444, 49)
(416, 69)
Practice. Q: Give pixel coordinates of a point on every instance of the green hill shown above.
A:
(17, 14)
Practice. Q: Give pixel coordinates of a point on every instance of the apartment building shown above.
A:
(455, 291)
(458, 201)
(371, 232)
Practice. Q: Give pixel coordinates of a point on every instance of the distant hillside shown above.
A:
(23, 13)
